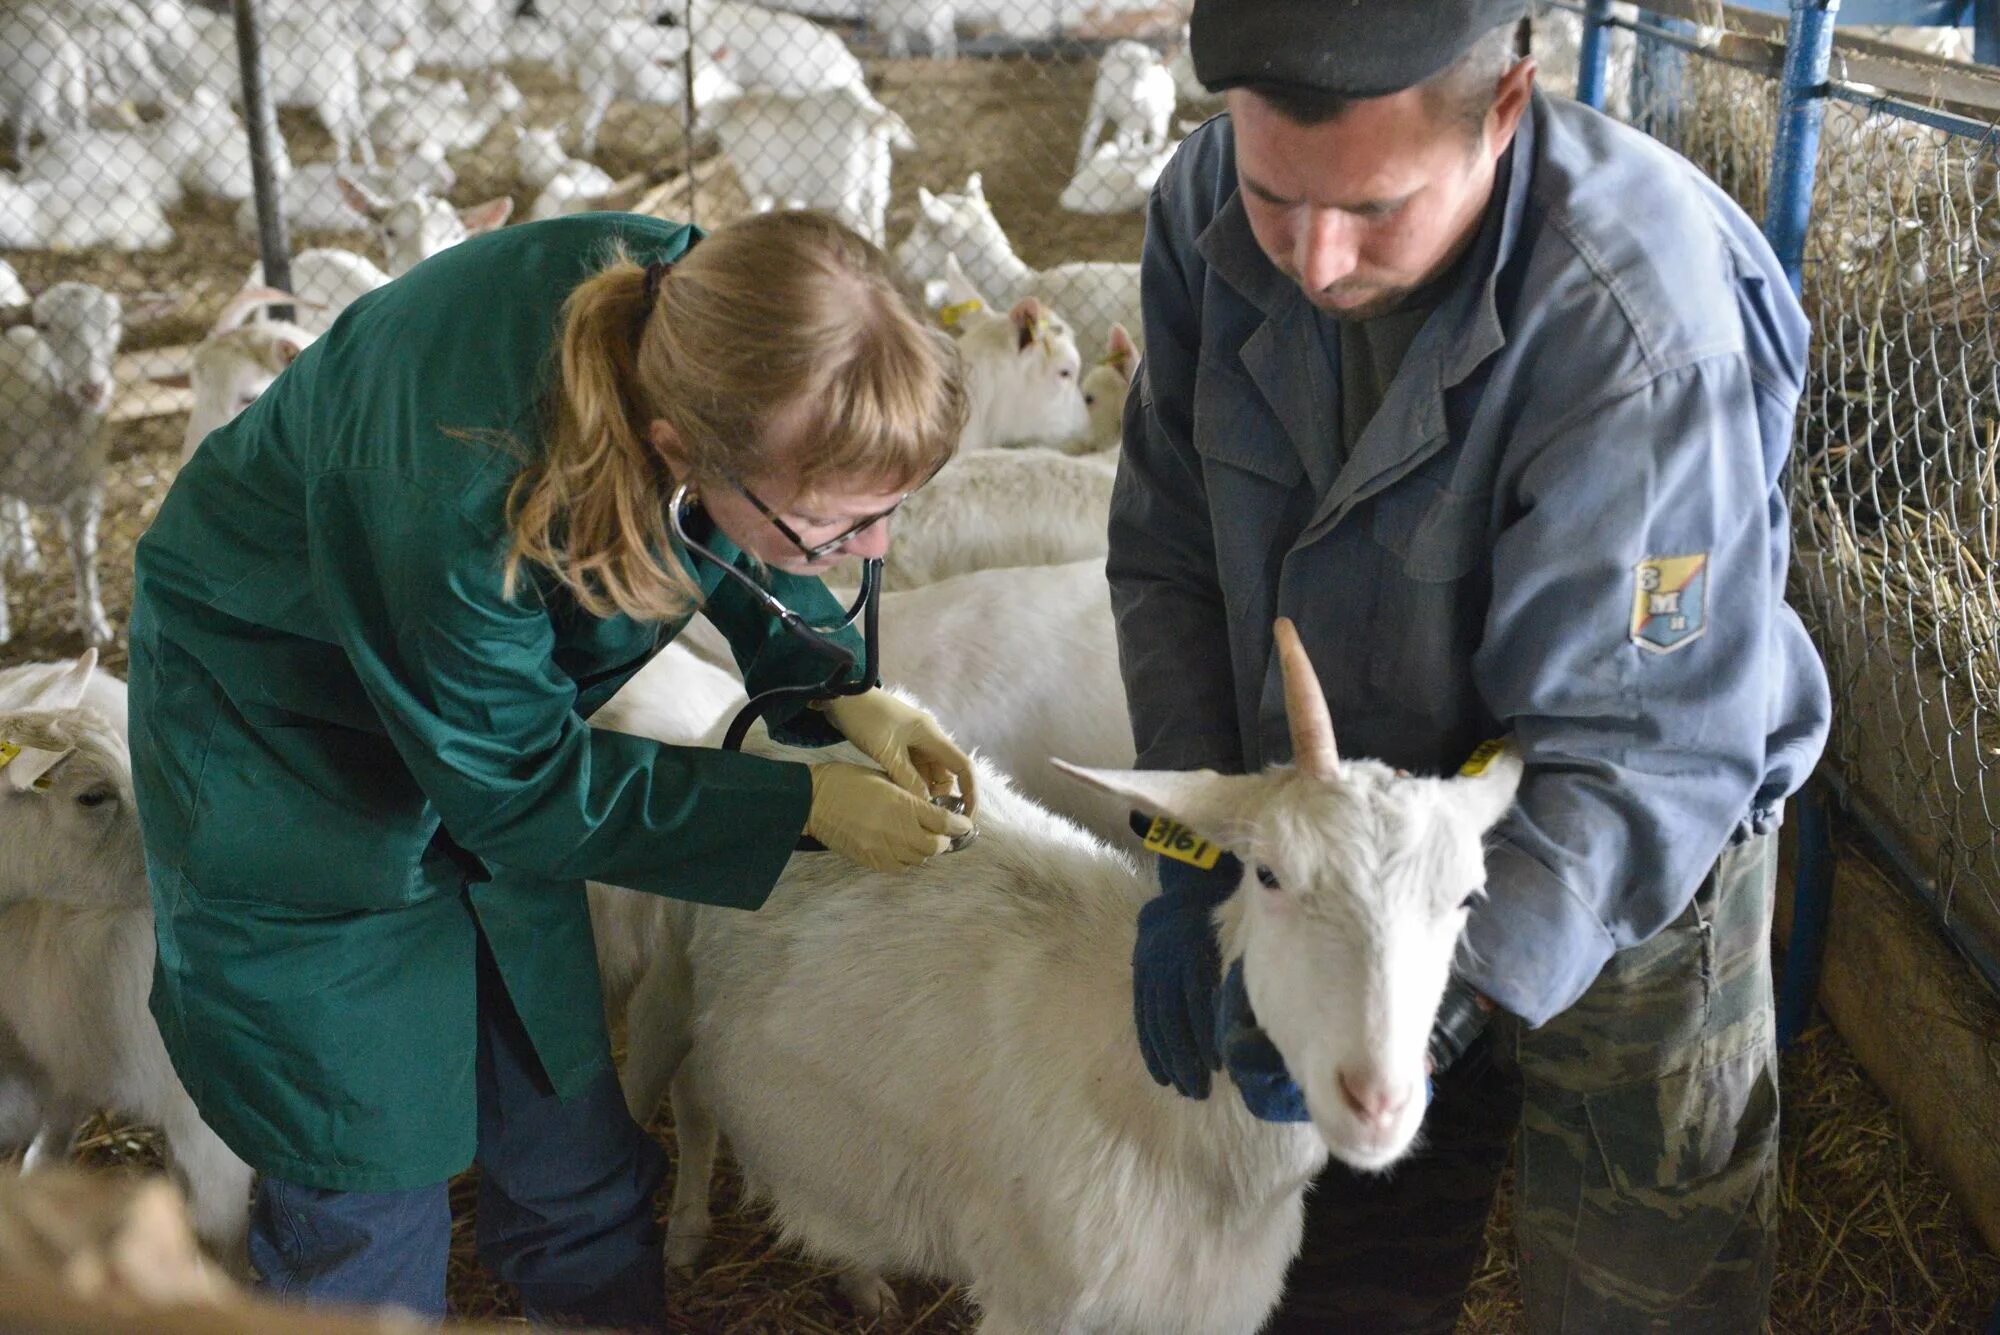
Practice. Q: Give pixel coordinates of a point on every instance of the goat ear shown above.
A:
(1486, 786)
(485, 217)
(976, 187)
(65, 690)
(1216, 806)
(1028, 316)
(288, 351)
(1124, 353)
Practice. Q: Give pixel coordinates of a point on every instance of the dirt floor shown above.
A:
(1871, 1240)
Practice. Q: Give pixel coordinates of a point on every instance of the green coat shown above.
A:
(347, 745)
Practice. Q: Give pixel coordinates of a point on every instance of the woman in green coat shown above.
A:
(368, 625)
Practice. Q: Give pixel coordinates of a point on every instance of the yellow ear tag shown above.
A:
(1171, 839)
(950, 315)
(7, 752)
(1482, 756)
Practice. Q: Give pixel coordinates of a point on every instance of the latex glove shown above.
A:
(906, 742)
(1176, 969)
(859, 813)
(1251, 1058)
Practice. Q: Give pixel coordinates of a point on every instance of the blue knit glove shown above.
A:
(1176, 969)
(1252, 1059)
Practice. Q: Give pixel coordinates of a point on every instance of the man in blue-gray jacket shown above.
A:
(1491, 395)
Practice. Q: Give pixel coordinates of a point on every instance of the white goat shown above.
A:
(56, 379)
(446, 114)
(1187, 87)
(1105, 387)
(764, 51)
(198, 146)
(936, 21)
(410, 230)
(1021, 378)
(1094, 295)
(44, 75)
(992, 508)
(76, 937)
(1021, 662)
(63, 216)
(1134, 95)
(827, 150)
(1115, 179)
(237, 362)
(12, 291)
(634, 60)
(566, 184)
(314, 198)
(312, 62)
(936, 1071)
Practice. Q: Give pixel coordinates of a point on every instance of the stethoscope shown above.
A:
(866, 608)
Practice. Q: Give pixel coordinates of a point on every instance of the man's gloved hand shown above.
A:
(1176, 970)
(1462, 1017)
(906, 742)
(1252, 1059)
(859, 813)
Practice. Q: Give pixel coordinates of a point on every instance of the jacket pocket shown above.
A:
(1437, 535)
(302, 814)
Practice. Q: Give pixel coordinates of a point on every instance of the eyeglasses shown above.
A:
(846, 535)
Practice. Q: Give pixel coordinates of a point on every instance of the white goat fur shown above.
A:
(1094, 295)
(994, 508)
(933, 20)
(936, 1072)
(1115, 179)
(76, 939)
(1134, 95)
(237, 362)
(1022, 378)
(56, 378)
(1020, 662)
(199, 146)
(830, 149)
(44, 76)
(566, 184)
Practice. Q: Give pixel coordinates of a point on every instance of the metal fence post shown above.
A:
(261, 118)
(1795, 157)
(1594, 55)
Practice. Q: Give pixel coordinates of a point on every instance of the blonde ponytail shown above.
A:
(769, 311)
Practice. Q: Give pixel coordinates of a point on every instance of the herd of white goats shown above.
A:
(928, 1074)
(784, 96)
(1047, 1174)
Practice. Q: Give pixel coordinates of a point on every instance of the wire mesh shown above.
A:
(1895, 504)
(400, 119)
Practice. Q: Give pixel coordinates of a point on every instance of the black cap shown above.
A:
(1348, 48)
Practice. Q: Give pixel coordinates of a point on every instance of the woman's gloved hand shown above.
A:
(860, 813)
(906, 742)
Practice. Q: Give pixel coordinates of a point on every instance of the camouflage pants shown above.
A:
(1645, 1123)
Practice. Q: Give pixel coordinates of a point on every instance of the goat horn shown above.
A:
(1305, 706)
(249, 299)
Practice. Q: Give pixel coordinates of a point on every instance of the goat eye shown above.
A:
(1090, 400)
(1065, 373)
(1465, 905)
(1266, 877)
(96, 796)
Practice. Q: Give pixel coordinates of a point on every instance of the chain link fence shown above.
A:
(1894, 494)
(1021, 134)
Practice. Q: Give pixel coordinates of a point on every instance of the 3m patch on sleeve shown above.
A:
(1171, 839)
(1669, 602)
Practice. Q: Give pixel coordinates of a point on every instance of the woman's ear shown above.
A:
(664, 439)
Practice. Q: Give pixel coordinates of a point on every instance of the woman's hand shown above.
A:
(906, 742)
(859, 813)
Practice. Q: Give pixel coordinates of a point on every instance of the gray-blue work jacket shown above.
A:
(1565, 523)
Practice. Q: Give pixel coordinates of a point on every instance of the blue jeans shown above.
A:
(565, 1204)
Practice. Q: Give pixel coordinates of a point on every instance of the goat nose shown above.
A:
(92, 394)
(1371, 1098)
